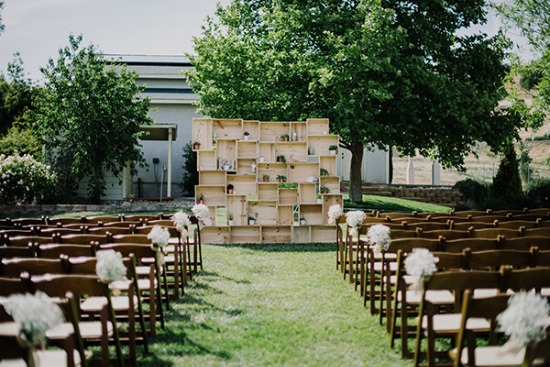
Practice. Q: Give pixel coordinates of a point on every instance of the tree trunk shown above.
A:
(355, 179)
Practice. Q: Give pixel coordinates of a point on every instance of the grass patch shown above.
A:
(386, 203)
(271, 305)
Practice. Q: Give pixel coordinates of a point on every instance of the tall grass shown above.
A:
(271, 305)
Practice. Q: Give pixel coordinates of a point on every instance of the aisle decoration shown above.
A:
(524, 321)
(35, 314)
(378, 235)
(202, 213)
(334, 213)
(181, 221)
(355, 219)
(159, 237)
(109, 266)
(420, 264)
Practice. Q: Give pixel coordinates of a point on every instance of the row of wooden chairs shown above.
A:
(90, 220)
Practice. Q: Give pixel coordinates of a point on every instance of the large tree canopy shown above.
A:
(388, 73)
(89, 117)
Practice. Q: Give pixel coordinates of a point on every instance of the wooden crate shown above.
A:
(318, 127)
(312, 213)
(215, 234)
(202, 132)
(276, 234)
(231, 129)
(332, 183)
(285, 215)
(253, 128)
(293, 151)
(322, 234)
(329, 163)
(267, 191)
(264, 211)
(272, 131)
(244, 166)
(287, 196)
(307, 193)
(226, 151)
(206, 160)
(213, 195)
(298, 130)
(247, 149)
(243, 184)
(267, 152)
(246, 234)
(237, 205)
(321, 143)
(300, 234)
(301, 172)
(212, 178)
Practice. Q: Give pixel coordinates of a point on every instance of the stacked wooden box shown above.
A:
(291, 205)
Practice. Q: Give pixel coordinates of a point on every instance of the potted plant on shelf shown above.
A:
(230, 188)
(319, 199)
(324, 190)
(281, 178)
(246, 135)
(284, 137)
(323, 172)
(302, 221)
(281, 158)
(230, 218)
(265, 177)
(333, 149)
(201, 199)
(196, 145)
(251, 220)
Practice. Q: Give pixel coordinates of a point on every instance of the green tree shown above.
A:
(388, 73)
(532, 18)
(1, 24)
(89, 117)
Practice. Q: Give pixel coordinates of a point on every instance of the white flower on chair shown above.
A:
(159, 236)
(334, 213)
(355, 219)
(379, 236)
(525, 319)
(34, 314)
(110, 266)
(202, 212)
(181, 221)
(420, 263)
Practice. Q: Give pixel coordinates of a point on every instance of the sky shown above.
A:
(37, 29)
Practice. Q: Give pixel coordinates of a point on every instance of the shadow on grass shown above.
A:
(283, 247)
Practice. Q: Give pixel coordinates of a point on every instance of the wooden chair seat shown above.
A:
(449, 323)
(494, 356)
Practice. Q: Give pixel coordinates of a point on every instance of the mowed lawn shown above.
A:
(271, 305)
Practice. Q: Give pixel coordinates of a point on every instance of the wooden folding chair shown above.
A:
(55, 251)
(149, 281)
(495, 259)
(474, 244)
(8, 252)
(125, 305)
(525, 243)
(433, 324)
(537, 232)
(34, 266)
(406, 301)
(83, 286)
(448, 234)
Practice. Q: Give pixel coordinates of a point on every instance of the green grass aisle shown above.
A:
(271, 305)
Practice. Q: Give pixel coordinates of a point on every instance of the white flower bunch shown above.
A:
(334, 212)
(379, 235)
(525, 319)
(202, 213)
(421, 263)
(354, 219)
(110, 266)
(159, 236)
(181, 220)
(35, 314)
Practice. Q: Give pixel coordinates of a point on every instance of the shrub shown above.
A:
(507, 183)
(538, 193)
(190, 172)
(24, 180)
(474, 192)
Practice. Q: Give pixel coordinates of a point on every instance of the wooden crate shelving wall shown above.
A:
(290, 204)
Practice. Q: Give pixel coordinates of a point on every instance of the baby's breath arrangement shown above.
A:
(110, 266)
(354, 219)
(334, 213)
(35, 314)
(379, 236)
